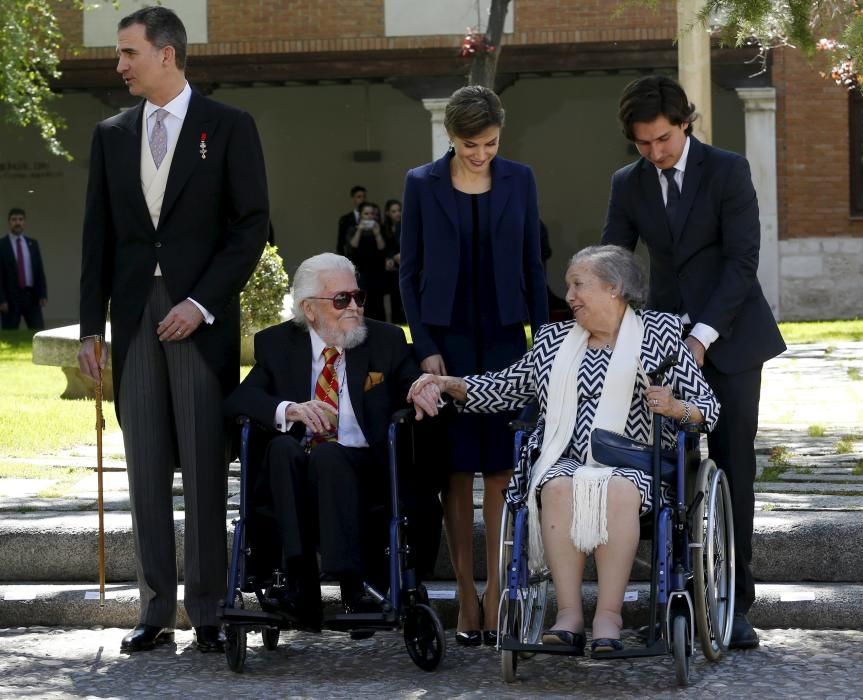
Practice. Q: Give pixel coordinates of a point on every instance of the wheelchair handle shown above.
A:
(657, 375)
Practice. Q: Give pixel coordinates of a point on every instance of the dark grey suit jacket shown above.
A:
(212, 229)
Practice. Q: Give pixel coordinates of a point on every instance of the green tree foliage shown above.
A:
(262, 298)
(834, 27)
(30, 42)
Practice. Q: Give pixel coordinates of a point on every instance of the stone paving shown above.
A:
(85, 663)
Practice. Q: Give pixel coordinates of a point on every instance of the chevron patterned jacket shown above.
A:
(527, 380)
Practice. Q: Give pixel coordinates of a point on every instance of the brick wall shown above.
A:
(812, 150)
(288, 26)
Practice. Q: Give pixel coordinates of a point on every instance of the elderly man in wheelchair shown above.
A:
(328, 383)
(586, 374)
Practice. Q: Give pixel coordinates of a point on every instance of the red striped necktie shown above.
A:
(327, 390)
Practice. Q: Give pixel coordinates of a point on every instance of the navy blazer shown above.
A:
(428, 272)
(9, 270)
(705, 262)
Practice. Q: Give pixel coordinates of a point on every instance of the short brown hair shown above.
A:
(646, 99)
(471, 110)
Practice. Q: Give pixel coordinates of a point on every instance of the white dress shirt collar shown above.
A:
(318, 344)
(176, 107)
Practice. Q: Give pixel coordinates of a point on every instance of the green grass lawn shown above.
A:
(822, 331)
(35, 420)
(33, 417)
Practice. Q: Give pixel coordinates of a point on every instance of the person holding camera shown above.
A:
(366, 248)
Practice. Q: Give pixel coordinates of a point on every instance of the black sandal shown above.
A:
(576, 640)
(604, 645)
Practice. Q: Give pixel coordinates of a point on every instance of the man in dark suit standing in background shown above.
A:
(330, 380)
(695, 208)
(23, 291)
(347, 222)
(175, 222)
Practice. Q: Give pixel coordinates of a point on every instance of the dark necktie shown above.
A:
(672, 202)
(22, 268)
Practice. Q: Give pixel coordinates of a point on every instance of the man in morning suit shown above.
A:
(329, 381)
(175, 221)
(23, 291)
(694, 207)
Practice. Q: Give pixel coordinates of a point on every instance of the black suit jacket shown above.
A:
(282, 372)
(705, 262)
(211, 231)
(9, 270)
(346, 223)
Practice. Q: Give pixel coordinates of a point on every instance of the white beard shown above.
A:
(333, 335)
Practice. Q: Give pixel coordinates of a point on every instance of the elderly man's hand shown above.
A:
(317, 416)
(434, 364)
(425, 398)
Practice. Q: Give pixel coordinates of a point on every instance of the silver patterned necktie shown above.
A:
(159, 138)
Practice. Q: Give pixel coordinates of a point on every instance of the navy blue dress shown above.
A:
(476, 342)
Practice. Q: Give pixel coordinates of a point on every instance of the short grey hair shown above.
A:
(617, 267)
(307, 280)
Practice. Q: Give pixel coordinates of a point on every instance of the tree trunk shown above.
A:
(484, 65)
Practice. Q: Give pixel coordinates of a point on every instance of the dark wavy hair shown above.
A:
(648, 98)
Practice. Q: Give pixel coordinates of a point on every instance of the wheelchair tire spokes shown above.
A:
(424, 637)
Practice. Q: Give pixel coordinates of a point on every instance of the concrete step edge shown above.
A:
(777, 605)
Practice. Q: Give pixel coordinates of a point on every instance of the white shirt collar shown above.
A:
(176, 107)
(681, 163)
(318, 344)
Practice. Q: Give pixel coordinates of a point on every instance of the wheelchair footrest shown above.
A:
(250, 617)
(353, 621)
(512, 644)
(658, 648)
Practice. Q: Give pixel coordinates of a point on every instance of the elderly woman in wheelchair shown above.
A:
(589, 373)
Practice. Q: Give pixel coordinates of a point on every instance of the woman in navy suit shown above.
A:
(471, 276)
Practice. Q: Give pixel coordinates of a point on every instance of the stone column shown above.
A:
(440, 140)
(693, 65)
(759, 106)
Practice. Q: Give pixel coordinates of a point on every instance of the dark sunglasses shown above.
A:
(342, 300)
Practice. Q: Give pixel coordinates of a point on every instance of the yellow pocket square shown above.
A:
(372, 380)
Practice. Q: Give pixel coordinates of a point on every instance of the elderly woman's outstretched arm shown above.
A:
(492, 392)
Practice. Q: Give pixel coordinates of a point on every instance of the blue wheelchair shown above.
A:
(256, 558)
(692, 555)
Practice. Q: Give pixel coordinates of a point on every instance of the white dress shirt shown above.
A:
(349, 433)
(703, 333)
(176, 110)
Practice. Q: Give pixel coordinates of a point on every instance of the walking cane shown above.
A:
(100, 426)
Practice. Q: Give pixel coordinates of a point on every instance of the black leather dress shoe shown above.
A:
(209, 638)
(743, 636)
(145, 637)
(470, 638)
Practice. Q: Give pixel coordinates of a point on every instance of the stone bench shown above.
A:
(58, 347)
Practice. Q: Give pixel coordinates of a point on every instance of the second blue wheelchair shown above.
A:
(692, 557)
(255, 562)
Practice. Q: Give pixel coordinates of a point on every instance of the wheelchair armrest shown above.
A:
(693, 427)
(406, 415)
(525, 426)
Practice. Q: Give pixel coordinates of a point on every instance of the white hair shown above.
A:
(307, 280)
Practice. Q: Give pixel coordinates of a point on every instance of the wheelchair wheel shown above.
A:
(526, 623)
(680, 649)
(510, 626)
(270, 637)
(235, 641)
(424, 637)
(713, 566)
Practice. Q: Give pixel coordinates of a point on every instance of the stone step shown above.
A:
(791, 543)
(808, 606)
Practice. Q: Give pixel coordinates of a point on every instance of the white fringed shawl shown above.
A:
(589, 527)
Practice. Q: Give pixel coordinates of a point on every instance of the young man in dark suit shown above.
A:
(348, 221)
(694, 207)
(329, 380)
(23, 291)
(175, 221)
